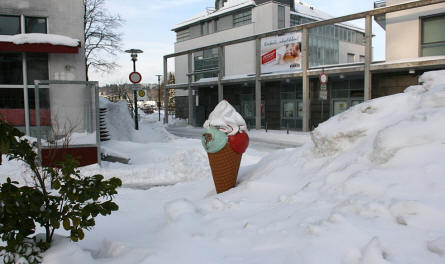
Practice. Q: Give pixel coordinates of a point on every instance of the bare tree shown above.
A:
(101, 37)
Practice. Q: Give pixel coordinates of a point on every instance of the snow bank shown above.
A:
(368, 189)
(121, 126)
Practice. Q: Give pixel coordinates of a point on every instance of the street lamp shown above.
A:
(134, 57)
(159, 95)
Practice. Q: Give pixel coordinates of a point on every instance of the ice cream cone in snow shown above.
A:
(225, 141)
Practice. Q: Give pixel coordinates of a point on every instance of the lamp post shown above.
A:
(159, 95)
(134, 57)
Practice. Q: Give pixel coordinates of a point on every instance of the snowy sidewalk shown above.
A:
(274, 137)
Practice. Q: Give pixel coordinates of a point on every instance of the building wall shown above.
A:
(240, 59)
(403, 30)
(215, 38)
(64, 17)
(346, 47)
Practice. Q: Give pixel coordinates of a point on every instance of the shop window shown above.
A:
(37, 67)
(35, 25)
(9, 25)
(11, 68)
(281, 17)
(242, 18)
(11, 98)
(433, 36)
(43, 98)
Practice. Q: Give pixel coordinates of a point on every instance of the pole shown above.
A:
(135, 96)
(306, 99)
(257, 84)
(159, 95)
(165, 93)
(368, 58)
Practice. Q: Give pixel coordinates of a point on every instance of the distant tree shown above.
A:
(171, 92)
(101, 37)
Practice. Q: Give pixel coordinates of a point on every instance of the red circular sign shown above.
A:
(135, 77)
(323, 78)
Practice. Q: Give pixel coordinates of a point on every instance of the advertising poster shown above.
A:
(281, 53)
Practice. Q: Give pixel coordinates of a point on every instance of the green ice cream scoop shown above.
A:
(213, 140)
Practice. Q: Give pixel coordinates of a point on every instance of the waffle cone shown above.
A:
(224, 165)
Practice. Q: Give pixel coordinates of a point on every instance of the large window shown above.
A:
(433, 36)
(11, 98)
(204, 61)
(242, 18)
(11, 71)
(35, 25)
(37, 67)
(281, 17)
(9, 25)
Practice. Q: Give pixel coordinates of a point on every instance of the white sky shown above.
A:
(149, 22)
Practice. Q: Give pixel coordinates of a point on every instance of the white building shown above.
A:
(234, 19)
(414, 33)
(44, 40)
(40, 40)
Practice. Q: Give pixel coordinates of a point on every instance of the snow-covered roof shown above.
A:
(230, 5)
(301, 9)
(308, 11)
(38, 38)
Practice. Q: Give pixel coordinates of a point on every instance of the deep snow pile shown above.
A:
(367, 190)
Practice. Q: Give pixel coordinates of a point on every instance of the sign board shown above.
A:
(323, 87)
(323, 78)
(141, 93)
(281, 53)
(323, 95)
(135, 77)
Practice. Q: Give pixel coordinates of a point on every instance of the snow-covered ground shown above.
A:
(367, 189)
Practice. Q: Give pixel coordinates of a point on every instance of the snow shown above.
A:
(34, 38)
(366, 189)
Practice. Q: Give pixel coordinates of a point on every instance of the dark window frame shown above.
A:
(242, 18)
(27, 18)
(19, 24)
(422, 44)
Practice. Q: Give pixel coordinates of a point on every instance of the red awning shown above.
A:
(37, 47)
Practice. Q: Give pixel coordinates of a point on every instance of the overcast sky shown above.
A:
(149, 22)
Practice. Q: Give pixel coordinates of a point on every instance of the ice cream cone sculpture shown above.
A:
(225, 141)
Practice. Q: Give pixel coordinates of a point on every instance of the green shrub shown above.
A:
(59, 197)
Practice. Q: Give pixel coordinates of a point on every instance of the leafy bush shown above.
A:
(59, 196)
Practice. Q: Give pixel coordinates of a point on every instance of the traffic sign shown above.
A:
(135, 77)
(323, 86)
(141, 93)
(323, 78)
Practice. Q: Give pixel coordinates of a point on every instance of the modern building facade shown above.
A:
(40, 40)
(341, 43)
(229, 64)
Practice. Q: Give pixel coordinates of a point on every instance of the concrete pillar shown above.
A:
(165, 92)
(190, 93)
(221, 73)
(368, 58)
(258, 83)
(306, 99)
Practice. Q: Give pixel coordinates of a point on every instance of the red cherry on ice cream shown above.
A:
(239, 142)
